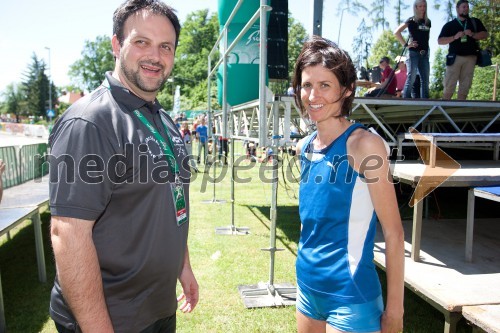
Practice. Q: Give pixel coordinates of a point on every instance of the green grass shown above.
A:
(221, 263)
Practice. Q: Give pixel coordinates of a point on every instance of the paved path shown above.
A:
(18, 140)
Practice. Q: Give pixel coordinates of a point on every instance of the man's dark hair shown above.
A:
(130, 7)
(386, 59)
(323, 52)
(459, 2)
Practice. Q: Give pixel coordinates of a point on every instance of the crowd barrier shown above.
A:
(23, 163)
(39, 131)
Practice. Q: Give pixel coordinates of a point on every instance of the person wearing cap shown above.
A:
(419, 27)
(461, 34)
(388, 82)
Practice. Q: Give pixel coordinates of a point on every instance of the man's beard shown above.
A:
(136, 80)
(464, 15)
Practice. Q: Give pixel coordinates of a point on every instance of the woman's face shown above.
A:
(421, 9)
(320, 92)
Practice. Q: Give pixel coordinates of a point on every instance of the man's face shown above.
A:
(383, 64)
(463, 10)
(146, 58)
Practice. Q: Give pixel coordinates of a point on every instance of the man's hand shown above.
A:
(190, 290)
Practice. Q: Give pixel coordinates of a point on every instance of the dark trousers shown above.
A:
(223, 150)
(165, 325)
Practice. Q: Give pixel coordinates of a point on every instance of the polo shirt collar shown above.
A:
(126, 97)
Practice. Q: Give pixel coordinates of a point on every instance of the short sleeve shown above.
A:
(79, 183)
(445, 31)
(480, 26)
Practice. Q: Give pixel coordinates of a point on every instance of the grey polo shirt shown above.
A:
(106, 166)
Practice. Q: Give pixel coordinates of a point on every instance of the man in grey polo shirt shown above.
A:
(119, 190)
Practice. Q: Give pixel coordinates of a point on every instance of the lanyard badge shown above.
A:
(179, 201)
(176, 187)
(463, 39)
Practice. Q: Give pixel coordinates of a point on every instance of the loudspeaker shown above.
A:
(277, 40)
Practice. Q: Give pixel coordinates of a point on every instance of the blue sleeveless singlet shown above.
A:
(335, 254)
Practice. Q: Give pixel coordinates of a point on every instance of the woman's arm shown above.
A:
(369, 151)
(398, 34)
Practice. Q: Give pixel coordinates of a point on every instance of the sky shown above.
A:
(59, 28)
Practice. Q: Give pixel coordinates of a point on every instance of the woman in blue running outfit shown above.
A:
(345, 189)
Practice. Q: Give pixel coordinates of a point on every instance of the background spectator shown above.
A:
(419, 27)
(388, 83)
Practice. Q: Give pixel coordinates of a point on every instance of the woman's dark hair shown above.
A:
(323, 52)
(130, 7)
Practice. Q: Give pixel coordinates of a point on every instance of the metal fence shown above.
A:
(11, 175)
(23, 163)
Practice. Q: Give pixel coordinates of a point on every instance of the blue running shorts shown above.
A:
(359, 318)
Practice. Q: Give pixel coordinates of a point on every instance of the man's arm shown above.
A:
(446, 36)
(449, 39)
(479, 32)
(478, 35)
(190, 289)
(78, 272)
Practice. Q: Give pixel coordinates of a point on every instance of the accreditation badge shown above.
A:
(179, 201)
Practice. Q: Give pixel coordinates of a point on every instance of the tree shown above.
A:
(483, 82)
(449, 8)
(386, 46)
(399, 8)
(438, 70)
(352, 7)
(488, 12)
(377, 14)
(97, 58)
(361, 45)
(15, 101)
(36, 88)
(198, 36)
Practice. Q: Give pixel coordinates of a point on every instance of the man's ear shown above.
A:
(115, 45)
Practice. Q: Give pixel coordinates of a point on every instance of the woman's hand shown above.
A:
(391, 323)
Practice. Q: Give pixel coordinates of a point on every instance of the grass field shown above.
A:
(221, 263)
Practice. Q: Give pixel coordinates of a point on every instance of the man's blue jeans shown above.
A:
(417, 62)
